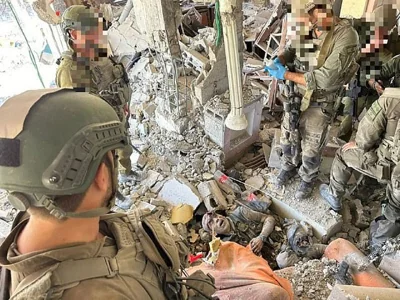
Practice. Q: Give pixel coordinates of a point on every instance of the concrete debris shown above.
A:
(212, 196)
(180, 191)
(312, 279)
(255, 183)
(352, 292)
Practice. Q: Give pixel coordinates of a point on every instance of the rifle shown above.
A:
(292, 107)
(352, 92)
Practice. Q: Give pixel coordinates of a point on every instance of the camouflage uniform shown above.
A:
(248, 221)
(101, 77)
(114, 267)
(381, 126)
(325, 83)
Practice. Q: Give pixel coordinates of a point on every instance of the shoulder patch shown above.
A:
(374, 110)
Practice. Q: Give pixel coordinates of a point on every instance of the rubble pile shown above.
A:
(313, 279)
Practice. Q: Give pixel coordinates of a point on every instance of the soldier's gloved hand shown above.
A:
(256, 245)
(276, 70)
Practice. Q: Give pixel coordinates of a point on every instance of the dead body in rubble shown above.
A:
(249, 223)
(300, 239)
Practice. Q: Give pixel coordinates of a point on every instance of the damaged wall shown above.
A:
(158, 20)
(215, 82)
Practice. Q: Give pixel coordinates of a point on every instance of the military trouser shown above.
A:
(124, 154)
(346, 126)
(307, 144)
(356, 159)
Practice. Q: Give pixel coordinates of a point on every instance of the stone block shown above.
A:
(345, 292)
(233, 143)
(179, 191)
(212, 196)
(167, 123)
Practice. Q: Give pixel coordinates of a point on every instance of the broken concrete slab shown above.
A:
(179, 191)
(313, 210)
(167, 123)
(390, 264)
(274, 159)
(267, 152)
(345, 292)
(212, 196)
(151, 179)
(255, 183)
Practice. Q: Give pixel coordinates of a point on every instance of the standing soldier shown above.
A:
(375, 153)
(338, 52)
(87, 66)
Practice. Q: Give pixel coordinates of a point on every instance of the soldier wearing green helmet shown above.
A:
(57, 161)
(87, 66)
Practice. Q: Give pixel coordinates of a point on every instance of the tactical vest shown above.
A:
(140, 230)
(104, 77)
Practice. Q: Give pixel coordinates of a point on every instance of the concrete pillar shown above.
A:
(159, 20)
(236, 120)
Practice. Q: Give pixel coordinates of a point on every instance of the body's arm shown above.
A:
(268, 227)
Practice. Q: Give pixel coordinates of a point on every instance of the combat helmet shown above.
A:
(79, 17)
(334, 5)
(52, 142)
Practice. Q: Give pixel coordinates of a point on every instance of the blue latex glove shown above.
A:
(276, 70)
(277, 61)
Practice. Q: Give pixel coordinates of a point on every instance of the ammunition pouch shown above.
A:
(384, 170)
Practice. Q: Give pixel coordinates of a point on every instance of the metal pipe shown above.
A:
(235, 120)
(125, 13)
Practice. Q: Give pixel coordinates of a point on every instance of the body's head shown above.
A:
(57, 153)
(84, 30)
(219, 223)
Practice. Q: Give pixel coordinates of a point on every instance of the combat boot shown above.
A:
(132, 176)
(283, 177)
(334, 202)
(304, 190)
(123, 202)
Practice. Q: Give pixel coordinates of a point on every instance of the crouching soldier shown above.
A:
(58, 163)
(375, 153)
(247, 224)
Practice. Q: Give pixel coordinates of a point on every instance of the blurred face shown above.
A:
(221, 224)
(321, 18)
(379, 38)
(89, 43)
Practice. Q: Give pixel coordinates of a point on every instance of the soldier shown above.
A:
(375, 153)
(379, 46)
(86, 66)
(383, 46)
(58, 163)
(338, 52)
(248, 223)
